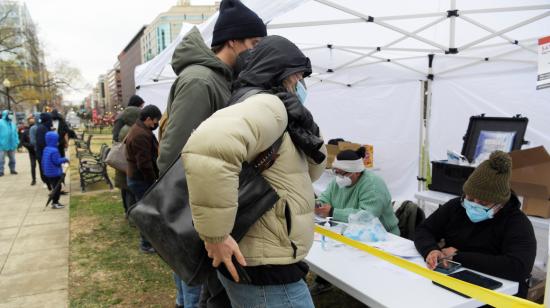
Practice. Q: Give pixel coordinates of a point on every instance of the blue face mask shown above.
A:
(301, 92)
(476, 212)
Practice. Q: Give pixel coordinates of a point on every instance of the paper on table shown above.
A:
(403, 249)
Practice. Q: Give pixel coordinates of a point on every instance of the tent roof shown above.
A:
(370, 40)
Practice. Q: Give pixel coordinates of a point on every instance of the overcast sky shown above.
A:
(90, 34)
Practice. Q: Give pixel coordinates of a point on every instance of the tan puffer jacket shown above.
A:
(212, 159)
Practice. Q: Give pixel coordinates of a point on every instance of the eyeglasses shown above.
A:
(487, 207)
(340, 172)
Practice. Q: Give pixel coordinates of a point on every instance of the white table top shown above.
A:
(441, 198)
(378, 283)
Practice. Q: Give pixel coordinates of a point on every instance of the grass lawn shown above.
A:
(106, 268)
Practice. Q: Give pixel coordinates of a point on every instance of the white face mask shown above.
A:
(343, 181)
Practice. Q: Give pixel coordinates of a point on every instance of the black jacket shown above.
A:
(26, 139)
(265, 67)
(44, 127)
(504, 246)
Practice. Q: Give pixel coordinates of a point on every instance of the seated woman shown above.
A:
(355, 189)
(485, 230)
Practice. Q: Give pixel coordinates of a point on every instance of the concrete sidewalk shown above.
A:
(34, 242)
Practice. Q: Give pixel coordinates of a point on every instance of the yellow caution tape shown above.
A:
(487, 296)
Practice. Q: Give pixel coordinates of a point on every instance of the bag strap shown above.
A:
(267, 158)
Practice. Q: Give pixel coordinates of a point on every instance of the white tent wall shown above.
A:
(384, 115)
(501, 93)
(383, 99)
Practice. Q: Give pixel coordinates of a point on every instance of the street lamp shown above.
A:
(7, 85)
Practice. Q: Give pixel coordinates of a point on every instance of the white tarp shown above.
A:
(494, 94)
(352, 78)
(354, 114)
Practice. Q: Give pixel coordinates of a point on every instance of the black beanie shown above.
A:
(351, 154)
(135, 101)
(236, 21)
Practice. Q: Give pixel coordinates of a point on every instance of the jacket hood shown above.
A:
(130, 115)
(4, 114)
(270, 62)
(52, 138)
(193, 51)
(45, 119)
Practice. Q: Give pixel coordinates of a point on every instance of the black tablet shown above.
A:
(472, 278)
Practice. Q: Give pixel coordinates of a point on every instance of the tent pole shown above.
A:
(475, 23)
(547, 284)
(380, 23)
(505, 30)
(457, 68)
(452, 26)
(421, 173)
(502, 44)
(426, 148)
(315, 23)
(392, 43)
(389, 48)
(507, 9)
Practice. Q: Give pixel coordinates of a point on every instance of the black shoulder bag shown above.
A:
(163, 215)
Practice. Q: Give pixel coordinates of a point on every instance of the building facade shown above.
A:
(114, 86)
(166, 26)
(129, 58)
(21, 56)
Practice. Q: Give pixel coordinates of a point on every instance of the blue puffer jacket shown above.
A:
(9, 140)
(51, 159)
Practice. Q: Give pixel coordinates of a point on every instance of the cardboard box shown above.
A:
(531, 179)
(333, 150)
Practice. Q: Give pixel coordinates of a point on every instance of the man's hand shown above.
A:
(433, 257)
(324, 210)
(222, 252)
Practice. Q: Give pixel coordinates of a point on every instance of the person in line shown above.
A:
(354, 189)
(62, 128)
(273, 248)
(27, 142)
(202, 87)
(44, 127)
(128, 118)
(51, 164)
(142, 153)
(9, 140)
(484, 230)
(134, 101)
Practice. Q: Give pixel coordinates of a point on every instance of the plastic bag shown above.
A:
(365, 228)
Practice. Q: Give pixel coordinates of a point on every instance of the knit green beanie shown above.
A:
(490, 181)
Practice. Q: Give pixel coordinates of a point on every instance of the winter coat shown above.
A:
(26, 138)
(44, 127)
(370, 194)
(265, 67)
(212, 159)
(203, 86)
(51, 158)
(504, 246)
(409, 216)
(9, 139)
(141, 153)
(128, 118)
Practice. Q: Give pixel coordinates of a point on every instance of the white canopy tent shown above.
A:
(374, 60)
